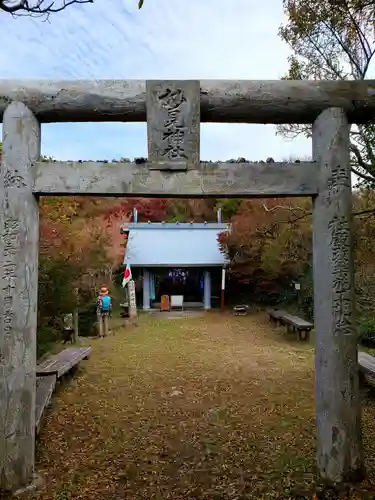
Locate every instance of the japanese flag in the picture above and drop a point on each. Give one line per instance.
(127, 275)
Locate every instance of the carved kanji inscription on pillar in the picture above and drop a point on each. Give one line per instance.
(19, 229)
(173, 124)
(338, 422)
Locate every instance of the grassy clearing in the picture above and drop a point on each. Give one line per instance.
(213, 407)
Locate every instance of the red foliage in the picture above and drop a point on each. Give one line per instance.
(149, 209)
(162, 209)
(152, 209)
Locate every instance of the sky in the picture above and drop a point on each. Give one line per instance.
(179, 39)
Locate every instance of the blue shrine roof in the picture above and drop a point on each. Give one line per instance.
(174, 245)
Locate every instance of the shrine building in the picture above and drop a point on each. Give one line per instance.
(176, 259)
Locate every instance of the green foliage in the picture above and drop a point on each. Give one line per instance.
(55, 286)
(229, 207)
(87, 320)
(366, 328)
(47, 337)
(140, 4)
(306, 294)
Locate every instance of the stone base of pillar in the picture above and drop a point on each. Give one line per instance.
(36, 484)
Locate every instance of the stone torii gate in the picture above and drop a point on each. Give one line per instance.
(174, 110)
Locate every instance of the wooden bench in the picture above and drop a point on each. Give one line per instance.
(47, 374)
(366, 365)
(240, 310)
(298, 325)
(63, 362)
(44, 390)
(274, 315)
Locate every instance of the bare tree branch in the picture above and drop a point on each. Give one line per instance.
(362, 176)
(291, 208)
(269, 229)
(354, 149)
(369, 211)
(37, 7)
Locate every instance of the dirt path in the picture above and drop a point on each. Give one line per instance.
(210, 407)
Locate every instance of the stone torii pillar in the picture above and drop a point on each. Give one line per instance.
(173, 110)
(338, 407)
(19, 230)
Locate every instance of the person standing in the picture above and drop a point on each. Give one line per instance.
(103, 311)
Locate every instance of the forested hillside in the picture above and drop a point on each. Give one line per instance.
(269, 247)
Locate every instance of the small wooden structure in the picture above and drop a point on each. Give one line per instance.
(240, 310)
(44, 389)
(294, 323)
(63, 362)
(50, 371)
(175, 259)
(174, 110)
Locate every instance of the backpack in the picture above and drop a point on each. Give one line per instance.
(105, 303)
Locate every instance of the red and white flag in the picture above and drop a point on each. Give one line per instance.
(127, 276)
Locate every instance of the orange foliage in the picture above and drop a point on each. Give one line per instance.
(263, 234)
(78, 248)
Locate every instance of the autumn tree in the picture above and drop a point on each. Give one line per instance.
(149, 209)
(269, 246)
(70, 245)
(364, 232)
(195, 210)
(333, 40)
(163, 209)
(80, 248)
